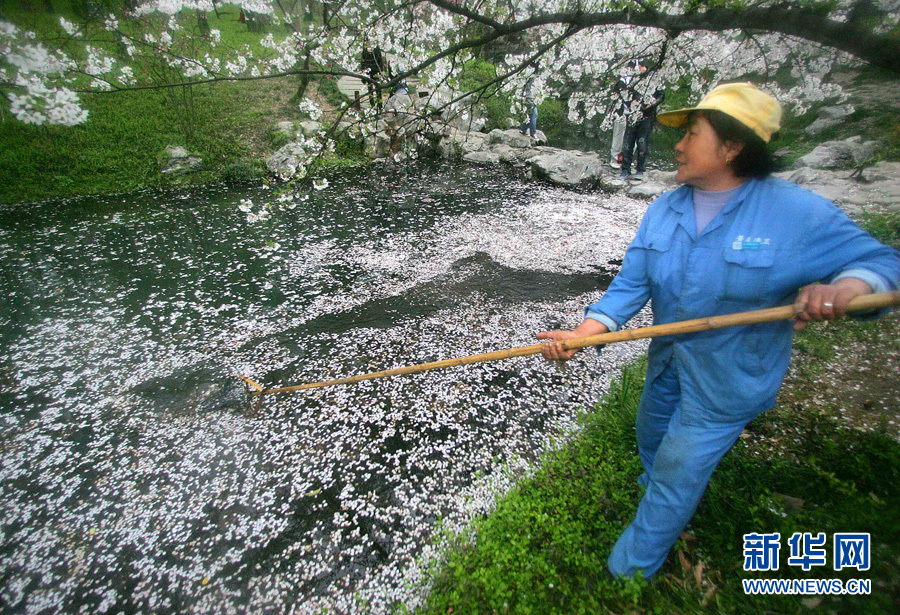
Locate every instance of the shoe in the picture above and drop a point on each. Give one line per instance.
(624, 174)
(615, 164)
(638, 177)
(523, 132)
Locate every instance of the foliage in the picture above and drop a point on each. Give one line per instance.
(543, 549)
(241, 171)
(475, 76)
(116, 151)
(532, 554)
(553, 117)
(48, 66)
(883, 227)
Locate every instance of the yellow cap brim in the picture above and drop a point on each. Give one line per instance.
(675, 119)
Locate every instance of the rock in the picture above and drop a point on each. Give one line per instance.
(879, 186)
(309, 128)
(514, 138)
(882, 171)
(348, 130)
(828, 117)
(176, 160)
(567, 168)
(399, 102)
(505, 153)
(486, 158)
(287, 160)
(285, 127)
(647, 188)
(838, 154)
(460, 143)
(784, 152)
(662, 177)
(515, 155)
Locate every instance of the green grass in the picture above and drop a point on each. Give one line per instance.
(117, 148)
(544, 548)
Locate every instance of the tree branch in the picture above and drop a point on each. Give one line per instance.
(880, 50)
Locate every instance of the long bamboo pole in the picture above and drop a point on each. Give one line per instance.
(787, 312)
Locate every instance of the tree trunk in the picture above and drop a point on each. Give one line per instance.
(304, 78)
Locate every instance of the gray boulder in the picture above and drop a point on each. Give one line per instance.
(484, 158)
(838, 154)
(285, 127)
(647, 189)
(176, 160)
(654, 184)
(877, 187)
(460, 143)
(567, 168)
(514, 138)
(401, 101)
(309, 128)
(828, 117)
(287, 160)
(881, 172)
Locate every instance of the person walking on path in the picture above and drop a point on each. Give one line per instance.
(530, 124)
(638, 130)
(623, 96)
(731, 239)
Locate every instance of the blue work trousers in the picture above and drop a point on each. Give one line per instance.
(530, 124)
(678, 460)
(637, 134)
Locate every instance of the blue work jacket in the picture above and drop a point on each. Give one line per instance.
(769, 241)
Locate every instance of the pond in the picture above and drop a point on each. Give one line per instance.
(135, 475)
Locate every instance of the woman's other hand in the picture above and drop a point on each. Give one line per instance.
(827, 301)
(553, 350)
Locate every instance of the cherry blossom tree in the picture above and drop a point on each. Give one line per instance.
(580, 45)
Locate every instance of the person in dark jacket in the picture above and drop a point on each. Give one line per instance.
(638, 129)
(373, 65)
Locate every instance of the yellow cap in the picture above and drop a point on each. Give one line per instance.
(749, 105)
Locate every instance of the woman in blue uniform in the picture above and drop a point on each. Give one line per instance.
(731, 239)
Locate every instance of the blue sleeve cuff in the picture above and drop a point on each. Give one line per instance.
(611, 324)
(878, 284)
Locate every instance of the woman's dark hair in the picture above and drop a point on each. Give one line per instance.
(755, 159)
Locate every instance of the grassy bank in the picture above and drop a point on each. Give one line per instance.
(118, 148)
(825, 459)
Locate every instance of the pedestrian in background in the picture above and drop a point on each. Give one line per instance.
(639, 127)
(531, 110)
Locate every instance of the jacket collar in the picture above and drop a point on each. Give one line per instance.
(683, 203)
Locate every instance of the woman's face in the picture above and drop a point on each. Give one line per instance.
(703, 159)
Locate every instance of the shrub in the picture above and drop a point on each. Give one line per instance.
(242, 171)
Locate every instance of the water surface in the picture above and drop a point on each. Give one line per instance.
(136, 478)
